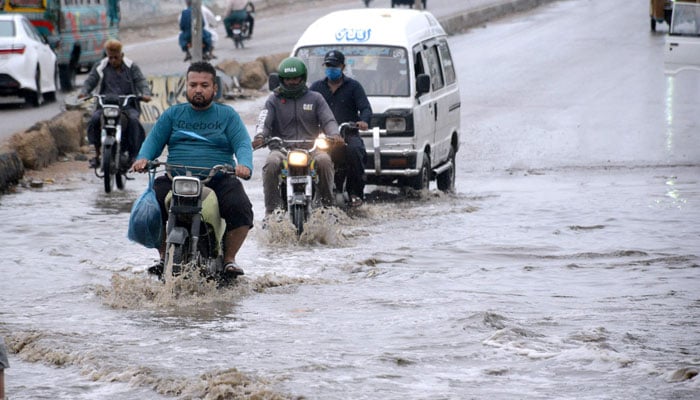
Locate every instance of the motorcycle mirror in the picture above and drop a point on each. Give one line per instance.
(273, 81)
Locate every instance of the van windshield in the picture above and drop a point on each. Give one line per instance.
(686, 19)
(382, 70)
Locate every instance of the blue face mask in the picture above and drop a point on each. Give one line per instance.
(333, 73)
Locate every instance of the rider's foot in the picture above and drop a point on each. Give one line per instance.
(232, 270)
(156, 269)
(94, 162)
(355, 201)
(188, 56)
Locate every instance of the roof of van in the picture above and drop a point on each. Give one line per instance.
(385, 26)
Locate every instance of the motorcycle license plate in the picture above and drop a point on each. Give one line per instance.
(297, 179)
(237, 31)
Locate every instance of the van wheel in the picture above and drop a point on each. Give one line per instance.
(446, 180)
(422, 180)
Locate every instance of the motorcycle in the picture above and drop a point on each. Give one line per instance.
(298, 178)
(115, 162)
(240, 30)
(194, 232)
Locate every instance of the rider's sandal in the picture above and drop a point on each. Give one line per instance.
(157, 269)
(94, 162)
(232, 269)
(355, 201)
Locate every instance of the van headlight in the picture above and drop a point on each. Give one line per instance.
(111, 112)
(186, 186)
(298, 158)
(395, 124)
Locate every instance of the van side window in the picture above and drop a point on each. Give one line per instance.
(436, 78)
(418, 63)
(447, 65)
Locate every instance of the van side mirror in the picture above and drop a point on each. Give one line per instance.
(273, 81)
(422, 84)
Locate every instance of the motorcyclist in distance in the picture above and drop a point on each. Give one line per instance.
(185, 37)
(293, 112)
(116, 75)
(239, 10)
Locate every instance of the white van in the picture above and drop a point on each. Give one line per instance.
(402, 59)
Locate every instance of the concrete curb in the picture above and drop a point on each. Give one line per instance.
(12, 167)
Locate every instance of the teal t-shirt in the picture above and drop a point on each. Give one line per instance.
(200, 138)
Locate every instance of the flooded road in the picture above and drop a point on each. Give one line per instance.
(566, 265)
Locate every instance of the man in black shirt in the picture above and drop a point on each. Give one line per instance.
(348, 101)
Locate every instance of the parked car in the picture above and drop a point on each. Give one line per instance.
(77, 30)
(682, 51)
(28, 66)
(409, 3)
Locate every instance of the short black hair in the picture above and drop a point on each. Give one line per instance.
(202, 66)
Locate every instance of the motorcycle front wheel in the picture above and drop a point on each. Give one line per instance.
(174, 258)
(299, 217)
(108, 169)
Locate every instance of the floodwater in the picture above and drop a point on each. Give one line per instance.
(566, 265)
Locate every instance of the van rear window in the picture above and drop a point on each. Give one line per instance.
(382, 70)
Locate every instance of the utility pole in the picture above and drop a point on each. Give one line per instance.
(418, 4)
(196, 30)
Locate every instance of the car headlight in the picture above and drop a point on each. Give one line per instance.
(186, 186)
(111, 112)
(298, 158)
(396, 124)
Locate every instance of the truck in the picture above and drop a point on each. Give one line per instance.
(76, 30)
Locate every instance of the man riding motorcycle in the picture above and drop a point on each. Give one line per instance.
(293, 112)
(239, 11)
(185, 37)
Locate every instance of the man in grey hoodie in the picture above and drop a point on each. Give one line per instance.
(293, 112)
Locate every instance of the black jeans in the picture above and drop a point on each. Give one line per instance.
(350, 165)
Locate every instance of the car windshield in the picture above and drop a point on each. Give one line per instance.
(7, 29)
(686, 19)
(382, 70)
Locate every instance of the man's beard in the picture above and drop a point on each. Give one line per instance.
(199, 101)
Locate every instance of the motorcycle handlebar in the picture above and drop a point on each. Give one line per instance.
(223, 168)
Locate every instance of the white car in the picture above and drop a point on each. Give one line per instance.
(682, 50)
(27, 63)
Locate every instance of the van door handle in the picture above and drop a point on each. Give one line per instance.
(436, 111)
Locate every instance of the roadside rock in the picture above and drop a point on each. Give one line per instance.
(36, 146)
(11, 169)
(253, 75)
(68, 131)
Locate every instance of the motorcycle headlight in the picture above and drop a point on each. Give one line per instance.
(298, 158)
(321, 143)
(186, 186)
(111, 112)
(395, 124)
